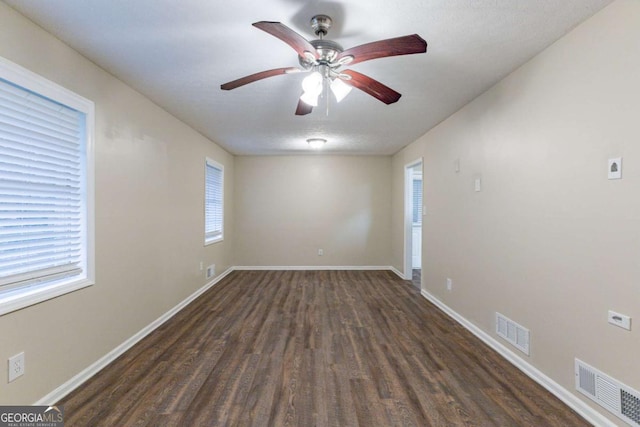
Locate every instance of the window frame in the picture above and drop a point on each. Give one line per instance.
(209, 240)
(15, 298)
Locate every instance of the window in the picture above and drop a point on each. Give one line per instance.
(417, 200)
(213, 202)
(46, 189)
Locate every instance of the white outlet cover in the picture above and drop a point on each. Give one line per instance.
(16, 366)
(478, 184)
(615, 168)
(449, 284)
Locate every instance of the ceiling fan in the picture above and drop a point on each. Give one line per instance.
(323, 59)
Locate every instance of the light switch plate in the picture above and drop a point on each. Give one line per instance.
(16, 366)
(478, 184)
(615, 168)
(619, 320)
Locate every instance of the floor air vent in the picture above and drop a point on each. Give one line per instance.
(512, 332)
(609, 393)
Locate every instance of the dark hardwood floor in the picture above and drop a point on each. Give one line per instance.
(306, 348)
(416, 277)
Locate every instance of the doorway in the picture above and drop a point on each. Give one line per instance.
(413, 222)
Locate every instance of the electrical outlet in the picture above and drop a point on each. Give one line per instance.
(201, 266)
(16, 366)
(449, 284)
(320, 252)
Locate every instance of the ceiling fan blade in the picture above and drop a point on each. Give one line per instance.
(372, 87)
(404, 45)
(303, 108)
(258, 76)
(287, 35)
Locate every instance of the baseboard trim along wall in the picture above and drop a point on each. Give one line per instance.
(315, 267)
(66, 388)
(569, 399)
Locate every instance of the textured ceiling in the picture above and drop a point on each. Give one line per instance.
(178, 53)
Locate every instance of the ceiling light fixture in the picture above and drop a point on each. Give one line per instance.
(316, 143)
(314, 85)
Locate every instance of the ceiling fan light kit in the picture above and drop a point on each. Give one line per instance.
(316, 143)
(323, 58)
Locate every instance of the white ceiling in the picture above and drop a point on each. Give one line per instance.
(178, 53)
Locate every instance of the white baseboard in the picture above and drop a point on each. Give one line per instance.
(314, 267)
(66, 388)
(397, 272)
(568, 398)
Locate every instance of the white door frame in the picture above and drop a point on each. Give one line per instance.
(408, 215)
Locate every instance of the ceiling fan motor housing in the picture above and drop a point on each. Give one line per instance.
(328, 51)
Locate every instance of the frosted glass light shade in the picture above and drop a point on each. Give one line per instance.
(310, 98)
(340, 89)
(316, 143)
(312, 87)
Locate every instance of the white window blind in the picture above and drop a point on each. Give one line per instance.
(42, 227)
(214, 197)
(417, 201)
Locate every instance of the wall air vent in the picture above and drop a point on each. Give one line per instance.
(515, 334)
(617, 398)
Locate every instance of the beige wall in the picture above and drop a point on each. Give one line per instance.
(149, 222)
(549, 242)
(289, 207)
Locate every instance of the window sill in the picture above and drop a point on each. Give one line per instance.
(213, 240)
(16, 299)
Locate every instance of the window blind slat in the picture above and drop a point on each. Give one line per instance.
(25, 96)
(38, 137)
(9, 223)
(14, 106)
(27, 236)
(18, 116)
(55, 254)
(20, 142)
(11, 187)
(44, 158)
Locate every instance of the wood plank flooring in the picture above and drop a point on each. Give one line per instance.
(312, 348)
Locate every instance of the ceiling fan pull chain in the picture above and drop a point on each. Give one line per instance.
(326, 95)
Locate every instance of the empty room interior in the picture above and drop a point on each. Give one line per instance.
(423, 213)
